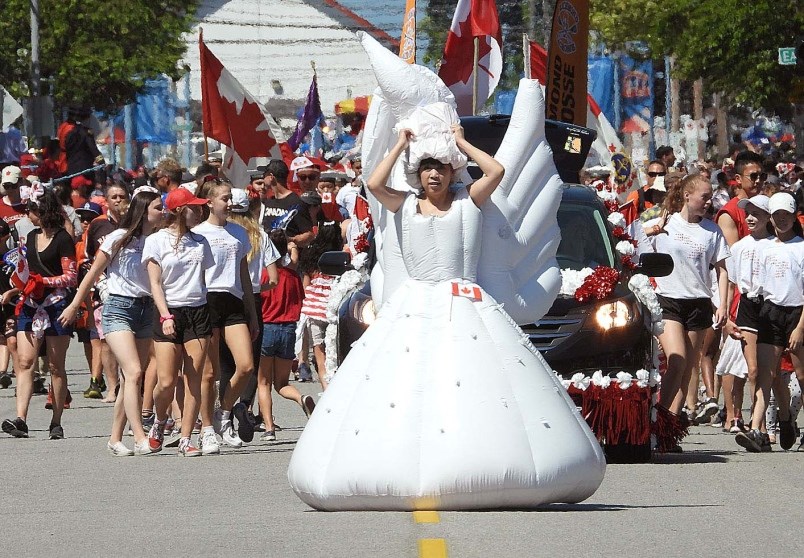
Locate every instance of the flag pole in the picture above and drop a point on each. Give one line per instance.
(203, 128)
(526, 54)
(474, 75)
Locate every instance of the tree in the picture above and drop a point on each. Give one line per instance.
(94, 52)
(732, 44)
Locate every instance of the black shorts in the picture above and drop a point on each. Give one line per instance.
(776, 323)
(225, 309)
(9, 320)
(190, 323)
(748, 313)
(694, 314)
(85, 335)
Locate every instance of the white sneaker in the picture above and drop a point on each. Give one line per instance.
(208, 443)
(119, 449)
(268, 436)
(229, 435)
(142, 448)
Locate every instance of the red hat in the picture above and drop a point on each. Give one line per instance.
(181, 197)
(80, 181)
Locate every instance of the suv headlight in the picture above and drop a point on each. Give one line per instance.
(363, 310)
(615, 314)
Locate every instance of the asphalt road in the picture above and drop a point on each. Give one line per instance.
(70, 498)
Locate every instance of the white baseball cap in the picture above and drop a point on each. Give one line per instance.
(760, 201)
(782, 201)
(240, 200)
(11, 175)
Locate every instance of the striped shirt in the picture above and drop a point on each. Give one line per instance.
(316, 296)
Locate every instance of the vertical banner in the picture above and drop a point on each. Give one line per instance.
(407, 43)
(567, 62)
(636, 92)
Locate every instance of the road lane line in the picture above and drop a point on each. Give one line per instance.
(432, 548)
(426, 517)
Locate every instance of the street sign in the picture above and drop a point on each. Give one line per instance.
(787, 56)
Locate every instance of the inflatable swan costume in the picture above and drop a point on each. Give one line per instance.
(443, 403)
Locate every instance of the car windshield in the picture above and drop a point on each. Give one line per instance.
(584, 237)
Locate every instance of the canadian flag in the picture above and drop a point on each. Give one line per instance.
(236, 119)
(607, 143)
(473, 18)
(467, 291)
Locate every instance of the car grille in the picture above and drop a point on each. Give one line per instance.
(549, 332)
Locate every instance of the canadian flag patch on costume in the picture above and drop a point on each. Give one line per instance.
(472, 292)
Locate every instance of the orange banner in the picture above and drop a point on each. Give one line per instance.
(407, 44)
(567, 62)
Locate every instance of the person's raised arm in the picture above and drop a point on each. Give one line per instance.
(481, 189)
(378, 181)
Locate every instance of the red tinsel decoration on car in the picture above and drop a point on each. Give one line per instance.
(361, 243)
(599, 285)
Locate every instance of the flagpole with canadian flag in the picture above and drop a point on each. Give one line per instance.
(232, 116)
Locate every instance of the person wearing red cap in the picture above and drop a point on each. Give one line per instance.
(176, 259)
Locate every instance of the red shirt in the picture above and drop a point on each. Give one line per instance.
(737, 214)
(11, 213)
(283, 303)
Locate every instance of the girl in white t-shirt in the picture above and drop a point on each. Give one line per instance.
(233, 315)
(176, 259)
(743, 268)
(781, 322)
(127, 311)
(696, 244)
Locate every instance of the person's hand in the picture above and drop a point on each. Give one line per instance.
(405, 135)
(169, 328)
(733, 331)
(68, 315)
(457, 131)
(720, 318)
(6, 297)
(794, 343)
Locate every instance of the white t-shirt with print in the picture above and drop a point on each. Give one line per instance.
(229, 244)
(744, 263)
(781, 273)
(182, 266)
(694, 247)
(126, 275)
(267, 255)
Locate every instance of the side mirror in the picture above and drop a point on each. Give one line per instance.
(656, 265)
(335, 263)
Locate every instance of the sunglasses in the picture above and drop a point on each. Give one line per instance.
(654, 174)
(212, 178)
(754, 176)
(307, 177)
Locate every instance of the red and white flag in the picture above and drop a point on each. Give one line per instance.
(236, 119)
(470, 291)
(473, 18)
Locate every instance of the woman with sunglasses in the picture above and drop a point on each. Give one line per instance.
(51, 260)
(127, 312)
(176, 259)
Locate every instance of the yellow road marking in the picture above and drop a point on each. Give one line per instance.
(426, 517)
(432, 548)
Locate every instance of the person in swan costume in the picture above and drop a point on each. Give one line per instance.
(443, 403)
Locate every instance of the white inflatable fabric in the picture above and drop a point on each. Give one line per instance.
(432, 138)
(443, 403)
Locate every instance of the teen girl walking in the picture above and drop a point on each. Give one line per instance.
(127, 317)
(176, 259)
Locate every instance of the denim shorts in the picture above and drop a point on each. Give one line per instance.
(125, 313)
(25, 319)
(279, 340)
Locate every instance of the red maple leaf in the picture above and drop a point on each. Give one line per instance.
(239, 130)
(458, 60)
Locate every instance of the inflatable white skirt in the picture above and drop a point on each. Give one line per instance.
(444, 404)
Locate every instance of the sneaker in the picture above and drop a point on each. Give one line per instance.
(5, 381)
(187, 449)
(229, 436)
(148, 421)
(156, 436)
(102, 383)
(197, 427)
(56, 432)
(787, 434)
(39, 387)
(689, 416)
(751, 441)
(765, 444)
(305, 373)
(737, 426)
(172, 438)
(143, 448)
(707, 410)
(49, 401)
(119, 449)
(268, 436)
(308, 404)
(800, 444)
(719, 419)
(245, 424)
(94, 390)
(208, 443)
(170, 425)
(16, 427)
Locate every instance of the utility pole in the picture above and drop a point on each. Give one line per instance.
(34, 105)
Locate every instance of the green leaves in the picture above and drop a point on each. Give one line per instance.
(95, 52)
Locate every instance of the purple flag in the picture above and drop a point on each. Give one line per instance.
(310, 116)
